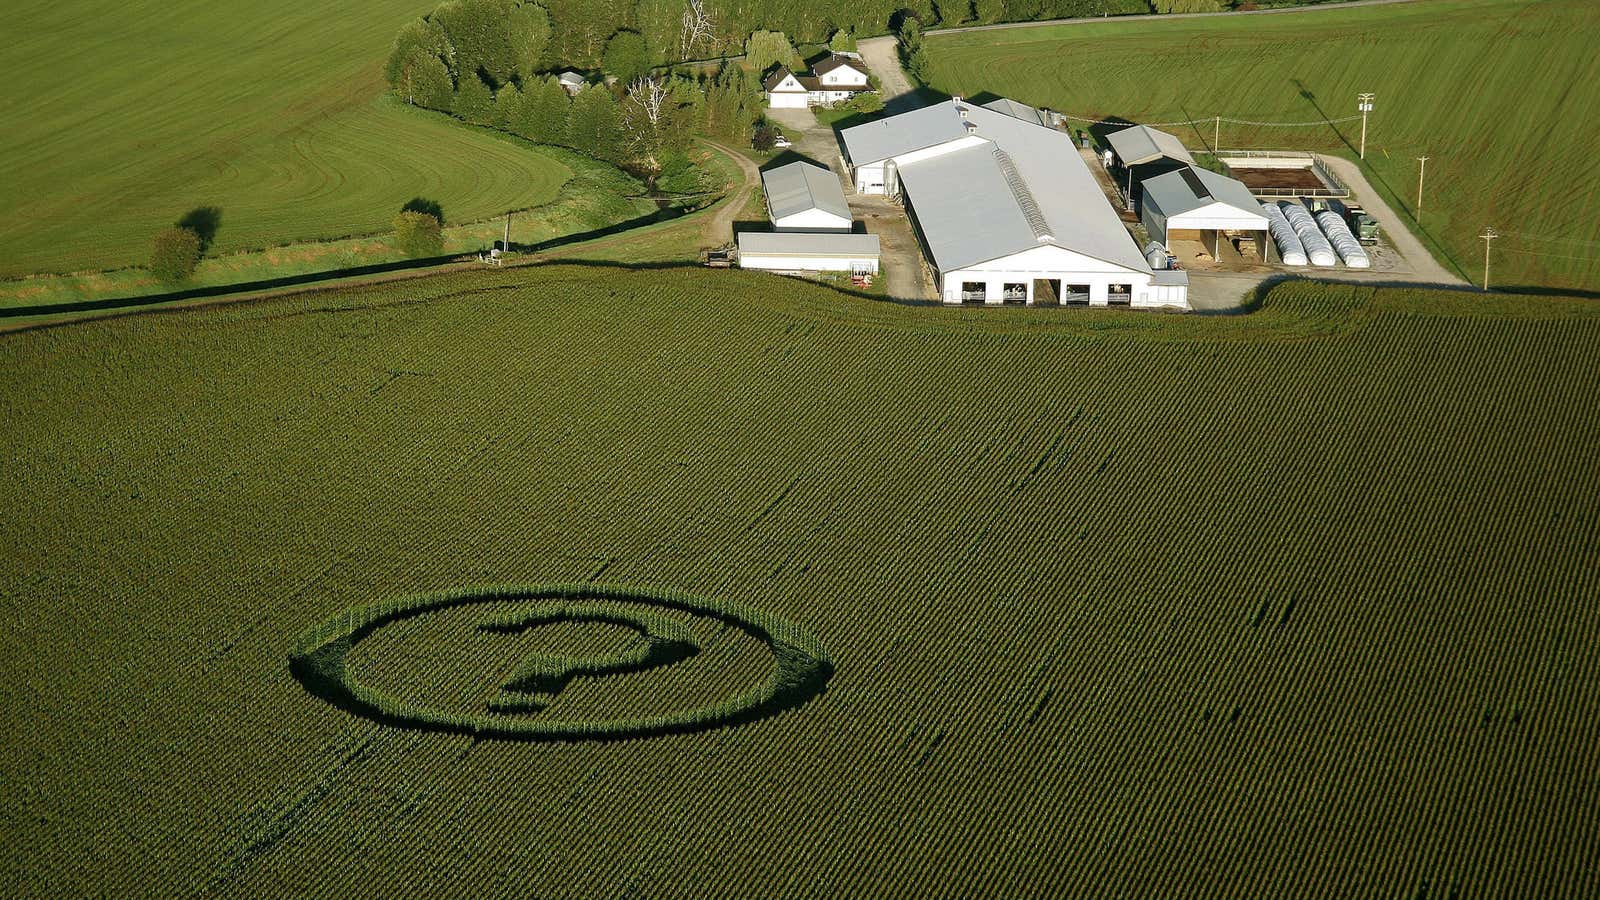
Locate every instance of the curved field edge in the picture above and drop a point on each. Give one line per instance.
(800, 666)
(593, 196)
(1488, 89)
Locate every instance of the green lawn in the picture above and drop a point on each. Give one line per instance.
(1500, 93)
(120, 118)
(1294, 603)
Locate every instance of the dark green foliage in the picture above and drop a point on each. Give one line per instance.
(627, 56)
(594, 124)
(766, 49)
(548, 107)
(174, 254)
(418, 234)
(765, 138)
(474, 102)
(868, 103)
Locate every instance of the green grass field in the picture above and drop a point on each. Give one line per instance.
(1298, 603)
(1498, 92)
(121, 118)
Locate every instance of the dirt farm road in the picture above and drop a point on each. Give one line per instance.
(718, 230)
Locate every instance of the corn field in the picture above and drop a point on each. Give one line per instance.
(1298, 603)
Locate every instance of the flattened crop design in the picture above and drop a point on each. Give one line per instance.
(800, 668)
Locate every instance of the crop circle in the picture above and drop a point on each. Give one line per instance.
(799, 672)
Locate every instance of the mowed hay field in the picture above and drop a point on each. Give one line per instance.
(121, 118)
(1499, 93)
(1299, 603)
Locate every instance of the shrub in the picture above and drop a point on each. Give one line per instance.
(418, 234)
(868, 102)
(175, 254)
(765, 138)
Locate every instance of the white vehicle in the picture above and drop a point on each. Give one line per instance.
(782, 143)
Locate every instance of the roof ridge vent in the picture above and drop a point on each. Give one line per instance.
(1024, 196)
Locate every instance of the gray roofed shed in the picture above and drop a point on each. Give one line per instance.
(1015, 110)
(800, 187)
(1192, 188)
(794, 243)
(1142, 144)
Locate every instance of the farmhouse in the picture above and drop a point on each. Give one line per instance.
(803, 196)
(1005, 208)
(1192, 204)
(835, 79)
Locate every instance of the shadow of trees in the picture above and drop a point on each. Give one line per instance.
(204, 221)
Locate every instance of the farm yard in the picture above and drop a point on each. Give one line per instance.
(134, 114)
(1493, 91)
(1291, 603)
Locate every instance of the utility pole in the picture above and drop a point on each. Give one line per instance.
(1216, 135)
(1130, 188)
(1488, 236)
(1421, 173)
(505, 245)
(1364, 103)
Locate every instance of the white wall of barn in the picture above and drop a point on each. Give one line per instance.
(1056, 263)
(778, 263)
(812, 220)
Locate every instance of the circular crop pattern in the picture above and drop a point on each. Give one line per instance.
(800, 668)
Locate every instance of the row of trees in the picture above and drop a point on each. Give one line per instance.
(510, 40)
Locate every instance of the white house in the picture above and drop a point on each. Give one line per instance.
(1006, 209)
(834, 80)
(796, 252)
(1193, 204)
(803, 196)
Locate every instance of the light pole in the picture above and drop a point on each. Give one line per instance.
(1489, 234)
(1364, 103)
(1422, 171)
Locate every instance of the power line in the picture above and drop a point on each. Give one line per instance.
(1212, 119)
(1488, 236)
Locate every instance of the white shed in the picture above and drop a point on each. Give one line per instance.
(791, 251)
(1196, 205)
(803, 196)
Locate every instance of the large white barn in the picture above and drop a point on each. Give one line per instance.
(1006, 209)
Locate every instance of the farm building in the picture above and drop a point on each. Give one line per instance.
(803, 196)
(1006, 209)
(1147, 150)
(835, 79)
(572, 81)
(1192, 204)
(796, 252)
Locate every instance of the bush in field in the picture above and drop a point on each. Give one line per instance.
(418, 234)
(175, 254)
(868, 102)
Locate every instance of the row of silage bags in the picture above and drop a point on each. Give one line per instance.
(1344, 242)
(1290, 250)
(1318, 250)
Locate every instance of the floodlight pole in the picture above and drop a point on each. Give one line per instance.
(1488, 236)
(1421, 173)
(1364, 103)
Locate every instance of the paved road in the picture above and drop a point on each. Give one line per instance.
(1422, 263)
